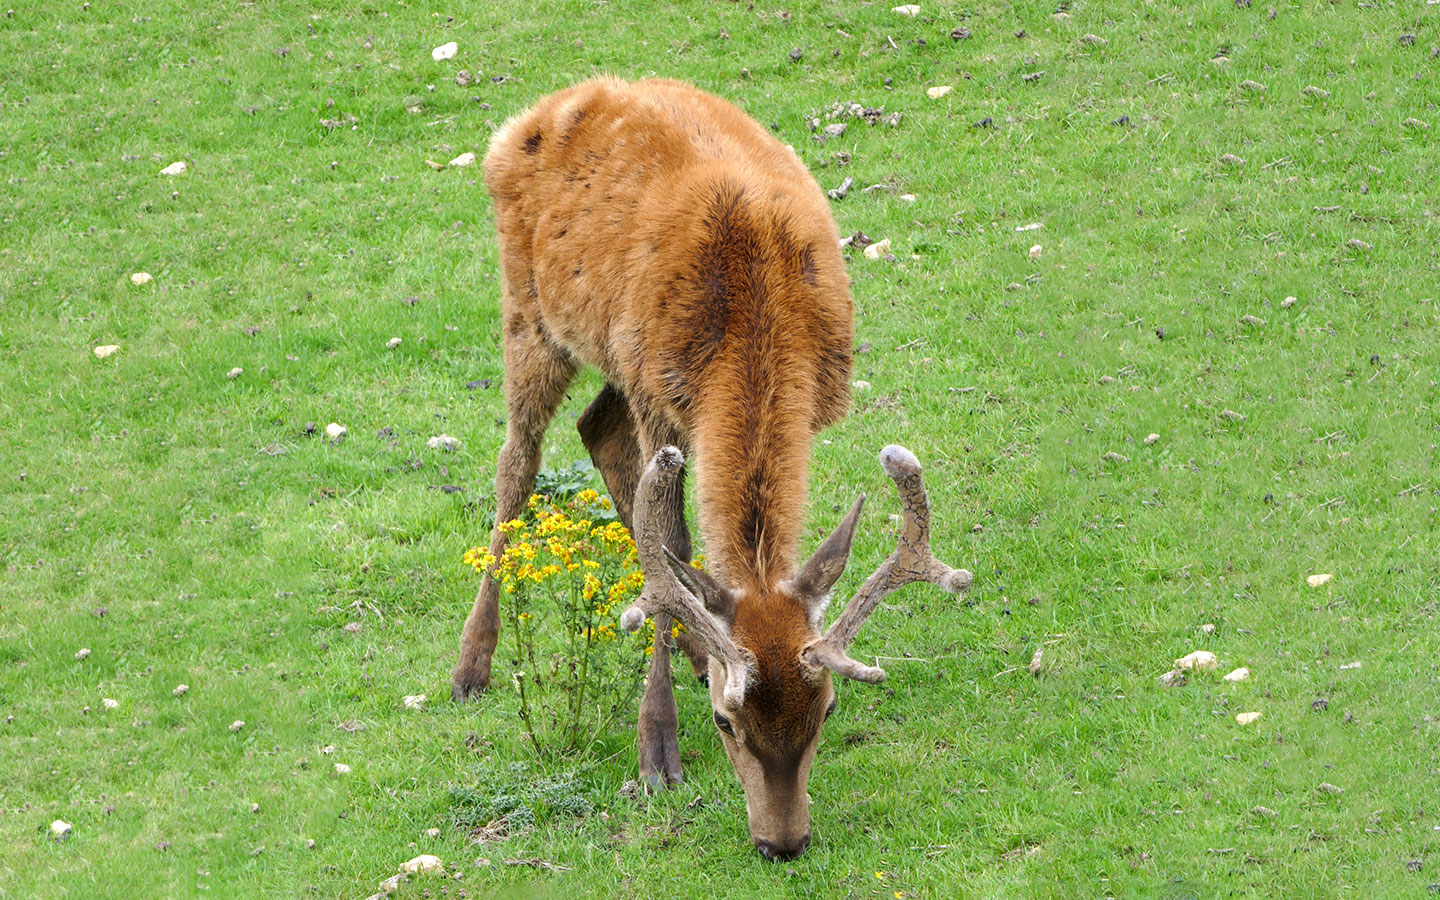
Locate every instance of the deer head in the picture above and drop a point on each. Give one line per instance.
(771, 660)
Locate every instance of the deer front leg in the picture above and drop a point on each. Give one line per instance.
(536, 376)
(657, 735)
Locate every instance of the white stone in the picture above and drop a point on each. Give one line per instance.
(423, 864)
(445, 51)
(860, 385)
(908, 198)
(1319, 580)
(139, 278)
(109, 703)
(909, 9)
(328, 749)
(1246, 718)
(175, 168)
(1239, 674)
(1172, 678)
(60, 829)
(234, 373)
(1031, 227)
(1351, 665)
(237, 724)
(342, 769)
(938, 91)
(1201, 659)
(1035, 251)
(335, 431)
(1207, 628)
(464, 159)
(443, 442)
(1151, 438)
(432, 832)
(82, 653)
(1288, 302)
(391, 884)
(181, 690)
(414, 701)
(105, 350)
(878, 249)
(392, 343)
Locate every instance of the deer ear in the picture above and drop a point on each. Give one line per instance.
(717, 599)
(817, 578)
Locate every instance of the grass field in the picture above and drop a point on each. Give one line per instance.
(1191, 166)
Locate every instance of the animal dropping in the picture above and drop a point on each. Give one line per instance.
(721, 240)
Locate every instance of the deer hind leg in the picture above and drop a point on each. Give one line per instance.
(608, 430)
(536, 376)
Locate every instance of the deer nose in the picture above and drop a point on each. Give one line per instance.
(777, 852)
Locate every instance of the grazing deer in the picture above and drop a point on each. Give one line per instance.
(658, 234)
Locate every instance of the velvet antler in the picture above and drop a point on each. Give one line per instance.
(911, 561)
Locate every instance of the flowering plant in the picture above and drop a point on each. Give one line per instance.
(567, 575)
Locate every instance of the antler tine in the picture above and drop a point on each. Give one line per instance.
(911, 561)
(663, 592)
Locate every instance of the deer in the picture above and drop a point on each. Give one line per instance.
(660, 235)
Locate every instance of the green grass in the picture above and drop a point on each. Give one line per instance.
(137, 484)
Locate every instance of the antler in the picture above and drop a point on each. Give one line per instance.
(911, 561)
(663, 592)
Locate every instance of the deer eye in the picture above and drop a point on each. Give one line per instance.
(724, 725)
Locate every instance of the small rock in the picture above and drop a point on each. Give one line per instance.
(908, 198)
(1239, 674)
(1172, 678)
(391, 884)
(309, 843)
(237, 724)
(352, 627)
(1357, 244)
(1151, 438)
(234, 373)
(1207, 628)
(432, 832)
(1231, 415)
(1246, 718)
(1033, 226)
(443, 442)
(392, 343)
(940, 90)
(437, 166)
(1416, 124)
(860, 385)
(463, 78)
(1202, 660)
(175, 168)
(1326, 787)
(959, 34)
(414, 701)
(139, 278)
(1319, 579)
(1319, 704)
(1351, 665)
(1037, 661)
(1220, 60)
(109, 703)
(1035, 251)
(105, 350)
(60, 829)
(82, 653)
(423, 864)
(835, 129)
(181, 690)
(328, 749)
(840, 192)
(909, 9)
(1231, 159)
(1264, 811)
(336, 432)
(1253, 87)
(445, 51)
(878, 249)
(342, 769)
(1113, 457)
(464, 159)
(1249, 319)
(1318, 92)
(1093, 40)
(796, 55)
(1288, 302)
(254, 807)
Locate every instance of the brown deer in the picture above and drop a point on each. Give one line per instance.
(657, 233)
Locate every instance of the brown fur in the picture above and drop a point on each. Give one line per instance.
(660, 235)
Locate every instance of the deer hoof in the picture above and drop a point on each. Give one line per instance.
(468, 683)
